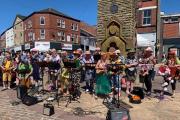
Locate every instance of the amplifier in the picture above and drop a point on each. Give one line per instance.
(48, 109)
(118, 114)
(21, 91)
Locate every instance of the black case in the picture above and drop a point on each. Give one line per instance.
(138, 91)
(29, 100)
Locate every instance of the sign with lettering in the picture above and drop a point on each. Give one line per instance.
(66, 46)
(42, 46)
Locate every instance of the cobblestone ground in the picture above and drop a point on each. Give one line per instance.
(23, 112)
(91, 108)
(153, 109)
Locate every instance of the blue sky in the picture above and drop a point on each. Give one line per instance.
(85, 10)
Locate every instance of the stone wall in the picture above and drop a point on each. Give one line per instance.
(125, 16)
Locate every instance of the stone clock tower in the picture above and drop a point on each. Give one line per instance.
(116, 24)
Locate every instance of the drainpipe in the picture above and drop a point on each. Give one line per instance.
(158, 32)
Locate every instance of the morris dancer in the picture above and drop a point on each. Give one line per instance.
(54, 68)
(25, 70)
(88, 59)
(165, 72)
(148, 69)
(172, 61)
(131, 72)
(103, 86)
(7, 66)
(33, 59)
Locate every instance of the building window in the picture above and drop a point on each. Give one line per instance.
(61, 23)
(61, 36)
(58, 22)
(174, 19)
(147, 17)
(42, 20)
(74, 27)
(42, 34)
(166, 20)
(73, 37)
(20, 34)
(30, 36)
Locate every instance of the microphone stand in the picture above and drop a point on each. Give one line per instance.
(117, 73)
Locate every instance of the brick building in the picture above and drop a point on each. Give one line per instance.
(50, 26)
(148, 22)
(171, 32)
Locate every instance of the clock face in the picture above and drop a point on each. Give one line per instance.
(114, 8)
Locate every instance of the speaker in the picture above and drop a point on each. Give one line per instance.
(21, 91)
(48, 109)
(29, 100)
(118, 114)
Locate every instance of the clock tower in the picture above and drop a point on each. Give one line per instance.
(116, 25)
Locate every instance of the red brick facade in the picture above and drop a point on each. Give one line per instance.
(147, 3)
(142, 6)
(32, 27)
(171, 29)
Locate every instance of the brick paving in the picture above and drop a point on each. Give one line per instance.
(23, 112)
